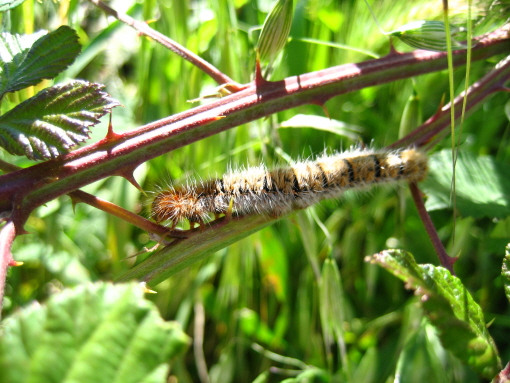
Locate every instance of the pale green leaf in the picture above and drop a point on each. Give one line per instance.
(449, 307)
(99, 333)
(425, 34)
(275, 30)
(5, 5)
(505, 273)
(482, 185)
(54, 120)
(25, 62)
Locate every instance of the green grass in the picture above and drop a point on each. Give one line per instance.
(268, 289)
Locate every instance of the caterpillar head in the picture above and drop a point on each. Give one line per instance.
(175, 205)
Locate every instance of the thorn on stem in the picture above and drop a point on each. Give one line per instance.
(127, 173)
(14, 263)
(111, 135)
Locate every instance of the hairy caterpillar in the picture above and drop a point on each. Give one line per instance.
(258, 190)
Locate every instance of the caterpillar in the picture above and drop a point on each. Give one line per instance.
(257, 190)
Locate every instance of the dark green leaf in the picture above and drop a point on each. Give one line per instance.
(5, 5)
(54, 120)
(482, 185)
(505, 273)
(449, 307)
(96, 333)
(26, 62)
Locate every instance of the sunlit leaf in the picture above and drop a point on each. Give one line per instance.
(25, 62)
(449, 307)
(323, 123)
(54, 120)
(95, 333)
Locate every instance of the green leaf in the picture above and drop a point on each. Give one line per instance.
(449, 307)
(482, 185)
(95, 333)
(182, 253)
(5, 5)
(26, 62)
(412, 116)
(505, 273)
(54, 120)
(332, 300)
(275, 30)
(425, 34)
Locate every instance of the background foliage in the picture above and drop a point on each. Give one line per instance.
(258, 303)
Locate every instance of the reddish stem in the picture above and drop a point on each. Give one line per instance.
(446, 261)
(126, 215)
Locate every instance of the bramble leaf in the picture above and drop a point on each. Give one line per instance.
(97, 333)
(54, 120)
(27, 62)
(5, 5)
(449, 307)
(482, 185)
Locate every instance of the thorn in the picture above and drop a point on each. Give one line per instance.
(14, 263)
(145, 289)
(393, 51)
(21, 230)
(150, 21)
(127, 173)
(111, 135)
(74, 201)
(260, 81)
(324, 108)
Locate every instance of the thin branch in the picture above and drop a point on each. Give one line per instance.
(143, 28)
(446, 261)
(119, 212)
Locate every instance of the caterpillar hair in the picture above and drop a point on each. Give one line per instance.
(258, 190)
